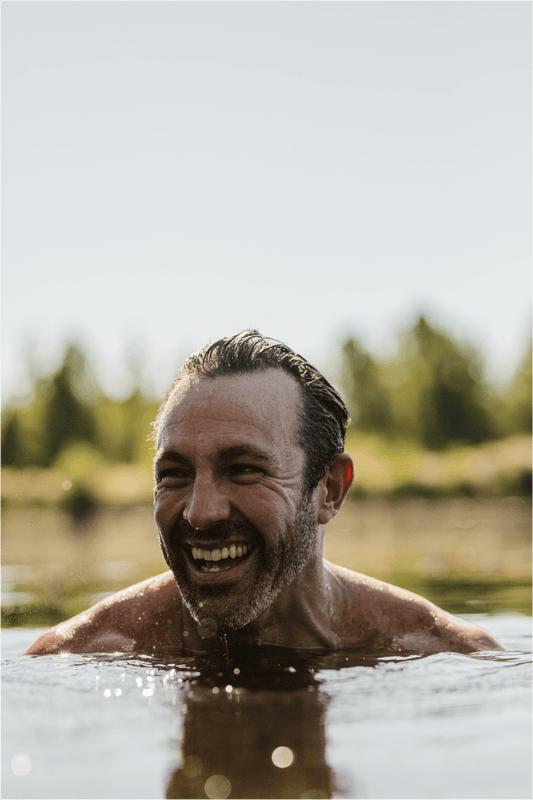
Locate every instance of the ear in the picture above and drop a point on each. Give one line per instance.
(333, 488)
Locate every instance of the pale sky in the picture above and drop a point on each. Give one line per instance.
(176, 171)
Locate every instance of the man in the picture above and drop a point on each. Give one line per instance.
(249, 469)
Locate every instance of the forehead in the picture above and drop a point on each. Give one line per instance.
(262, 405)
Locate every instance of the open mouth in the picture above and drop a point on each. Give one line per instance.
(218, 559)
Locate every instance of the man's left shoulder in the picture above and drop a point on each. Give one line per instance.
(443, 632)
(402, 620)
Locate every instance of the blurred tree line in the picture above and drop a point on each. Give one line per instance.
(433, 391)
(69, 414)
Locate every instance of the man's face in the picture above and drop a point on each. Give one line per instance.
(234, 522)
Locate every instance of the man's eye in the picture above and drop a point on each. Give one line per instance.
(168, 476)
(246, 470)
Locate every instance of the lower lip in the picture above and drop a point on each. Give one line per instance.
(223, 575)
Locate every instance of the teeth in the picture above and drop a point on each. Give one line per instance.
(219, 555)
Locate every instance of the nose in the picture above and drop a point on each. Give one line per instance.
(207, 503)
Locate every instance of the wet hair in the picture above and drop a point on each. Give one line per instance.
(324, 418)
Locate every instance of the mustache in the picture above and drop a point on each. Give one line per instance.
(223, 530)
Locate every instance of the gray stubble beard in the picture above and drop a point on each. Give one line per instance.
(278, 573)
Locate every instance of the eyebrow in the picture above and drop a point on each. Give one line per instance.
(223, 457)
(228, 454)
(171, 455)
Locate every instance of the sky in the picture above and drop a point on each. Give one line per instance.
(177, 171)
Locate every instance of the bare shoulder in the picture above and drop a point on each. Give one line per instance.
(141, 617)
(379, 615)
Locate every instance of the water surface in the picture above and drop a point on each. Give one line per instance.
(269, 723)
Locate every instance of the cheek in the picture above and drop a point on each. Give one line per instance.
(166, 508)
(263, 507)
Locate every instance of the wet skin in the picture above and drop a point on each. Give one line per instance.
(243, 539)
(229, 480)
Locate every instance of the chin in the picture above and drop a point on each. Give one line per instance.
(223, 614)
(226, 616)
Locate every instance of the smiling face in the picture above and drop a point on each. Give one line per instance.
(235, 524)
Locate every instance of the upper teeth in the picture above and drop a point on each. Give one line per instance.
(219, 555)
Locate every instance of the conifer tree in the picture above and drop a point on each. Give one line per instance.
(367, 398)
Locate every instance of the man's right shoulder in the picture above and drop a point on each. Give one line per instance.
(137, 619)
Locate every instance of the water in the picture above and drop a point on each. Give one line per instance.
(269, 724)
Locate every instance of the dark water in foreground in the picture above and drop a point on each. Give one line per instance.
(269, 724)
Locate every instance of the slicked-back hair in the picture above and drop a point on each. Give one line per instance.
(324, 417)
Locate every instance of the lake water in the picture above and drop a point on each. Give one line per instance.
(269, 723)
(464, 554)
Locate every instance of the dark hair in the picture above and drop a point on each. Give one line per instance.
(323, 423)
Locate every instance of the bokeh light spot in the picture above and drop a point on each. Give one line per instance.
(217, 786)
(282, 757)
(21, 765)
(191, 766)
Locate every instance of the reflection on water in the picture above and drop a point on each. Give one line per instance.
(252, 735)
(269, 722)
(255, 725)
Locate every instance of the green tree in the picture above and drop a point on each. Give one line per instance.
(518, 398)
(68, 414)
(367, 398)
(13, 450)
(452, 398)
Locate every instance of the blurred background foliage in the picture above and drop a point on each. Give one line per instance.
(68, 410)
(432, 393)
